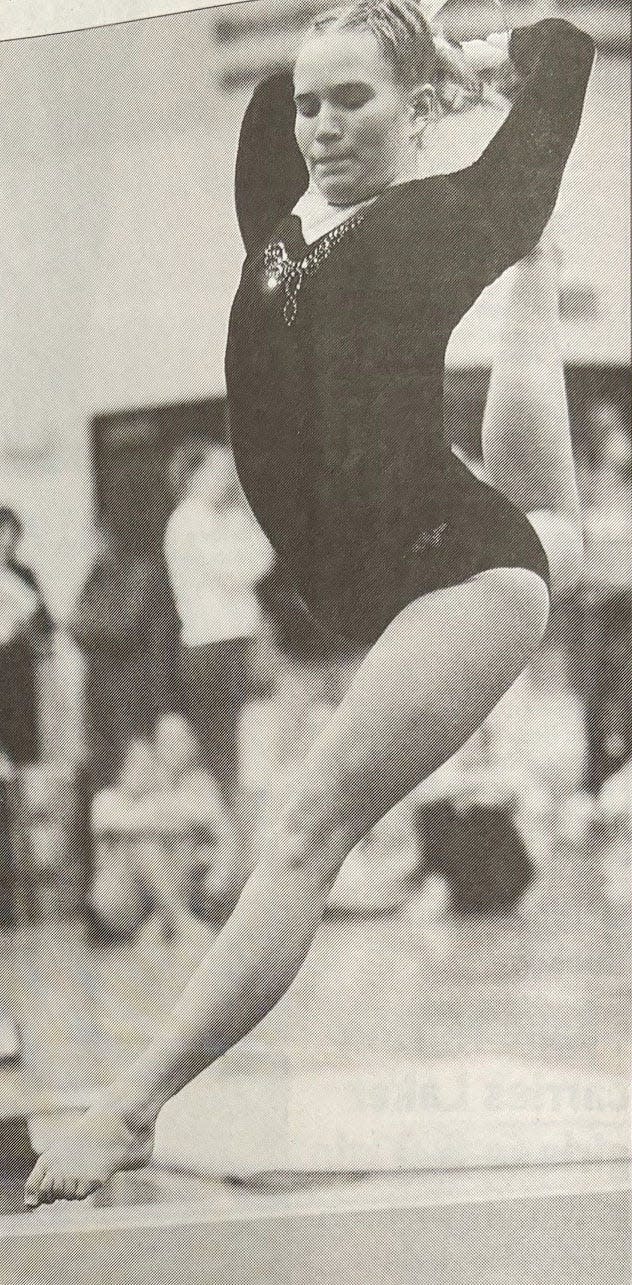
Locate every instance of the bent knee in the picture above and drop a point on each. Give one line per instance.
(317, 829)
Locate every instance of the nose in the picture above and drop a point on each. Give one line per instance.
(327, 125)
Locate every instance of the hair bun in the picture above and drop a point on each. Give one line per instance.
(417, 52)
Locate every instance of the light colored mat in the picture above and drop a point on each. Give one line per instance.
(444, 1115)
(571, 1237)
(223, 1203)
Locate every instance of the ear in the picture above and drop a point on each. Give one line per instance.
(421, 106)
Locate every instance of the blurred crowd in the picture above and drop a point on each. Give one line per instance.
(204, 681)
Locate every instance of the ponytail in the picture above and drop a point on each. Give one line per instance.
(457, 85)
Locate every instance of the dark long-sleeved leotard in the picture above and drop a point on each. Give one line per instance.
(335, 357)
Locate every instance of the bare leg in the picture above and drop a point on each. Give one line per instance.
(527, 449)
(434, 675)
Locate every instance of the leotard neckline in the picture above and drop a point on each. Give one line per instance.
(291, 228)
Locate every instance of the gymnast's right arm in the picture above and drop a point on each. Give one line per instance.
(270, 173)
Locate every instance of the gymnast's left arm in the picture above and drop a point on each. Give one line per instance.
(514, 184)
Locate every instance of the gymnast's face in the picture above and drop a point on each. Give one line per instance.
(357, 129)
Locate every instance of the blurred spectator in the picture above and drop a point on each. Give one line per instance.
(539, 728)
(26, 631)
(308, 674)
(613, 826)
(533, 741)
(604, 432)
(124, 624)
(310, 671)
(201, 828)
(613, 454)
(7, 903)
(479, 852)
(51, 870)
(119, 898)
(188, 796)
(609, 697)
(215, 554)
(486, 817)
(607, 499)
(164, 842)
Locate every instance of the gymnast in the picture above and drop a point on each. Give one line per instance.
(359, 264)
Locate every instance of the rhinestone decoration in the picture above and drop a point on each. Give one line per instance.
(280, 270)
(430, 539)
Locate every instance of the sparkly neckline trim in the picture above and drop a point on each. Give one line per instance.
(318, 217)
(281, 270)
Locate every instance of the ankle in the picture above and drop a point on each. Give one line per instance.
(137, 1115)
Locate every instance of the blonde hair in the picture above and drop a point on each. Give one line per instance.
(415, 51)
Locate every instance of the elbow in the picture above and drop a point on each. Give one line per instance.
(578, 40)
(566, 35)
(312, 842)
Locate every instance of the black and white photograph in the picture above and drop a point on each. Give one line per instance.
(315, 643)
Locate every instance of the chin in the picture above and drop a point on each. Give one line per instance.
(344, 193)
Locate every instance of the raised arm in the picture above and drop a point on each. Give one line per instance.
(515, 183)
(270, 173)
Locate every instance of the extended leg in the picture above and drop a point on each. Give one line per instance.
(527, 449)
(432, 678)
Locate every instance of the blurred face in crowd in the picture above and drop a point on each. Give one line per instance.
(606, 418)
(103, 545)
(216, 481)
(617, 451)
(612, 438)
(142, 772)
(357, 129)
(176, 745)
(548, 669)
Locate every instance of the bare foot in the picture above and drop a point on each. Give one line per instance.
(102, 1143)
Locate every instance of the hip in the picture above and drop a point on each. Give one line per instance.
(355, 596)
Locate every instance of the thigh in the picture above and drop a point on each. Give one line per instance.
(432, 678)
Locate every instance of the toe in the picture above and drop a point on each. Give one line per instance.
(33, 1188)
(46, 1189)
(62, 1190)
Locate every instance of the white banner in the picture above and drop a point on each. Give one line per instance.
(608, 22)
(20, 18)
